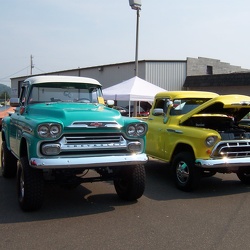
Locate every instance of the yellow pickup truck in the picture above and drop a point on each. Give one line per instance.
(199, 134)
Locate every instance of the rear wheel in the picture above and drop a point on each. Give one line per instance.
(186, 176)
(130, 182)
(8, 162)
(29, 186)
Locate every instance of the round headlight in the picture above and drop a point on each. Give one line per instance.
(140, 129)
(131, 130)
(43, 131)
(210, 141)
(54, 130)
(49, 130)
(136, 129)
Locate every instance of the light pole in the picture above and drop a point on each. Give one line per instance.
(136, 5)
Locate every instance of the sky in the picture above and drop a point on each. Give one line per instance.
(67, 34)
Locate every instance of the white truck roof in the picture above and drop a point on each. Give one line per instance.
(56, 78)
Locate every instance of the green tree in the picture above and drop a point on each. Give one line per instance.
(4, 95)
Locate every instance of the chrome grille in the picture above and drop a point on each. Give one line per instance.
(232, 149)
(92, 142)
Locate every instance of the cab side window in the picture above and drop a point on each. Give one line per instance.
(23, 96)
(160, 104)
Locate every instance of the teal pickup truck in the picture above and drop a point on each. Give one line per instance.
(60, 130)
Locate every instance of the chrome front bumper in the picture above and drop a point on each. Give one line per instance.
(223, 163)
(88, 162)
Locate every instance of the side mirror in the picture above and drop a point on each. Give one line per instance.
(158, 112)
(14, 102)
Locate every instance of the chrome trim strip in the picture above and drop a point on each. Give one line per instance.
(175, 131)
(95, 124)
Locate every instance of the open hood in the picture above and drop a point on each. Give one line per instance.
(235, 106)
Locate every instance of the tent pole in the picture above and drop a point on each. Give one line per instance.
(129, 107)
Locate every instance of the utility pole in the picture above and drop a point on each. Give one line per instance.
(136, 5)
(31, 64)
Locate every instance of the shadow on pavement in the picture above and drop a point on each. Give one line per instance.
(59, 202)
(160, 184)
(100, 197)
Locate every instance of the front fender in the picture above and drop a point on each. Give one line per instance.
(195, 139)
(5, 134)
(27, 146)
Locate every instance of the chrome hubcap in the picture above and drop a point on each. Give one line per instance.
(21, 186)
(182, 172)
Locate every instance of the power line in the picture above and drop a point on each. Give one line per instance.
(7, 77)
(40, 69)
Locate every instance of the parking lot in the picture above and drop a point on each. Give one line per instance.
(215, 216)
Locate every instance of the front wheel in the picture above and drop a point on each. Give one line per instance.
(130, 182)
(186, 175)
(244, 177)
(8, 162)
(29, 186)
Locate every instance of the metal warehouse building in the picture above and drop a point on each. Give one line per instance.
(167, 74)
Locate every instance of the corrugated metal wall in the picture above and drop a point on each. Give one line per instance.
(109, 75)
(167, 75)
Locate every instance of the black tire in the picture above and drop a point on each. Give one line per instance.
(29, 186)
(8, 162)
(130, 184)
(244, 177)
(186, 175)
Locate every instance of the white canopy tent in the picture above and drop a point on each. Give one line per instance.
(134, 89)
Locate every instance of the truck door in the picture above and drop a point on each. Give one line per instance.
(14, 123)
(156, 136)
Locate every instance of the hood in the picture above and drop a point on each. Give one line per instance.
(72, 112)
(236, 106)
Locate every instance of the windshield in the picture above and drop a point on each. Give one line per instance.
(183, 106)
(80, 93)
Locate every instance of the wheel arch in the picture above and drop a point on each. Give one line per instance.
(181, 147)
(23, 150)
(3, 136)
(5, 139)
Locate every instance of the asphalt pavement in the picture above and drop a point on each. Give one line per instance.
(215, 216)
